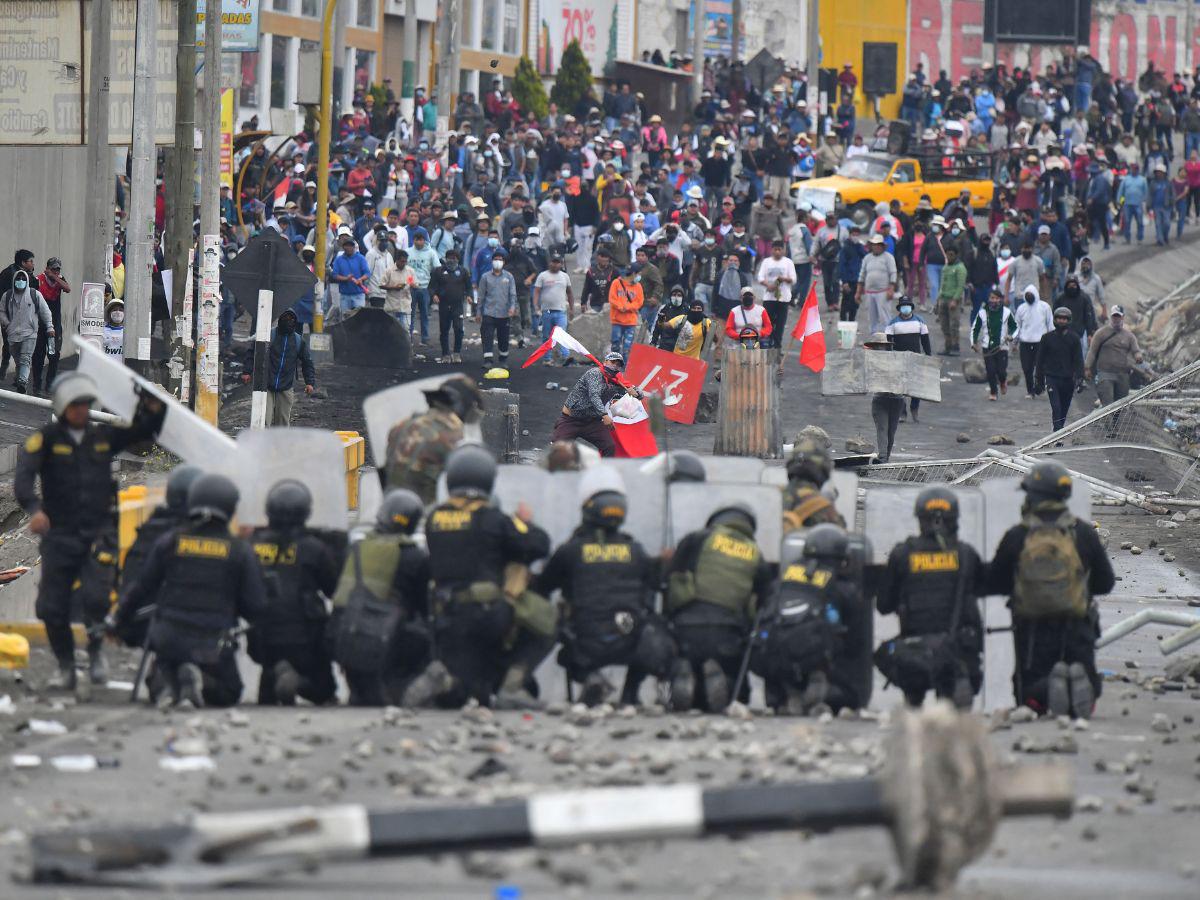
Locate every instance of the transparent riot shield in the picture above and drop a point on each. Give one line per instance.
(842, 486)
(890, 519)
(733, 469)
(646, 493)
(183, 433)
(387, 408)
(1003, 498)
(316, 458)
(691, 504)
(551, 496)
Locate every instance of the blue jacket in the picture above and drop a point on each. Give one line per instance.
(289, 352)
(1133, 190)
(1162, 196)
(850, 261)
(356, 266)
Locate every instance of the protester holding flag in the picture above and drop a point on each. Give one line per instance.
(585, 414)
(810, 333)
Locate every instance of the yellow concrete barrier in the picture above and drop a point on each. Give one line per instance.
(356, 457)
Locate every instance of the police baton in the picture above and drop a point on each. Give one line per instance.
(741, 676)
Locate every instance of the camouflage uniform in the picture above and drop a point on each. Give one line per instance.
(804, 506)
(417, 451)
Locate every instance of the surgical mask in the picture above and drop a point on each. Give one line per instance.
(637, 279)
(937, 229)
(956, 231)
(1005, 252)
(906, 310)
(565, 173)
(493, 242)
(117, 316)
(531, 243)
(19, 284)
(487, 154)
(497, 265)
(618, 226)
(709, 241)
(739, 234)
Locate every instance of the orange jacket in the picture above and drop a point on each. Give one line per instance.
(624, 301)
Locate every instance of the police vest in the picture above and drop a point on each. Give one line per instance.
(607, 575)
(196, 590)
(293, 600)
(379, 555)
(725, 569)
(78, 490)
(931, 585)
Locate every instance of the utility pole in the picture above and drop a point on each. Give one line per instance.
(99, 204)
(139, 267)
(207, 330)
(182, 191)
(408, 78)
(449, 22)
(735, 52)
(814, 64)
(324, 128)
(699, 20)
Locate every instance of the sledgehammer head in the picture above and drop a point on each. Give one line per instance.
(946, 792)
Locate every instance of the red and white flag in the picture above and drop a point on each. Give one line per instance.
(560, 338)
(809, 332)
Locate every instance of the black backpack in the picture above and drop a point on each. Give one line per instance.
(366, 626)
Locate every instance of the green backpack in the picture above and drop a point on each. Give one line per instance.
(1051, 581)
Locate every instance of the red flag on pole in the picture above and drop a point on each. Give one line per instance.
(809, 332)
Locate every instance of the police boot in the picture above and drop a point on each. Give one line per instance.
(97, 668)
(596, 689)
(513, 694)
(964, 695)
(815, 692)
(793, 702)
(191, 685)
(683, 686)
(1083, 694)
(65, 679)
(1058, 693)
(428, 686)
(287, 683)
(716, 686)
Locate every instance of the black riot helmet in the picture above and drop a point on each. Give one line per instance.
(810, 461)
(733, 514)
(470, 469)
(827, 542)
(178, 484)
(605, 509)
(685, 465)
(289, 504)
(212, 496)
(460, 395)
(399, 512)
(1047, 481)
(937, 511)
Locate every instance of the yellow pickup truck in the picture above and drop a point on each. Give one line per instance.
(872, 178)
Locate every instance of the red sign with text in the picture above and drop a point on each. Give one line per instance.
(679, 380)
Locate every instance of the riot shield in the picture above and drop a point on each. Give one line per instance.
(692, 504)
(316, 458)
(890, 519)
(370, 495)
(387, 408)
(1003, 498)
(551, 496)
(645, 490)
(183, 433)
(842, 485)
(733, 469)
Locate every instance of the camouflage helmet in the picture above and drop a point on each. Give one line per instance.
(461, 395)
(810, 461)
(1048, 481)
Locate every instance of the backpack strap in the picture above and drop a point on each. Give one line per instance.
(358, 576)
(814, 504)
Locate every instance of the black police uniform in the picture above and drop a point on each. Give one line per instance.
(396, 571)
(482, 628)
(812, 623)
(162, 520)
(714, 581)
(203, 579)
(926, 579)
(1041, 643)
(298, 568)
(608, 584)
(79, 495)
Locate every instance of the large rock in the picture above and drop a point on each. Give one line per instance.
(974, 372)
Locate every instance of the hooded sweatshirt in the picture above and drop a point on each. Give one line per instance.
(1033, 319)
(20, 312)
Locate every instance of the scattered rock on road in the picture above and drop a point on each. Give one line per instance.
(1000, 440)
(859, 445)
(963, 438)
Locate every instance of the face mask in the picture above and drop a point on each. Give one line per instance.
(531, 243)
(906, 310)
(1027, 253)
(618, 226)
(556, 197)
(287, 326)
(565, 173)
(497, 265)
(709, 241)
(1005, 252)
(117, 317)
(493, 242)
(956, 231)
(637, 279)
(739, 234)
(695, 316)
(1072, 290)
(19, 284)
(747, 302)
(1029, 298)
(611, 370)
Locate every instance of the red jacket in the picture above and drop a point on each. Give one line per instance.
(755, 318)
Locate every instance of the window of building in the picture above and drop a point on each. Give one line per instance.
(364, 70)
(366, 14)
(279, 54)
(683, 31)
(487, 40)
(512, 27)
(281, 5)
(248, 87)
(310, 8)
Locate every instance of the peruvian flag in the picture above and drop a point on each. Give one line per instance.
(809, 332)
(560, 338)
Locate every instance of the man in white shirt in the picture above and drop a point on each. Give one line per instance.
(379, 260)
(1034, 319)
(554, 219)
(777, 274)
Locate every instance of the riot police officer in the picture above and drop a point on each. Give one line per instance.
(1052, 565)
(491, 630)
(76, 514)
(804, 505)
(381, 606)
(299, 571)
(933, 582)
(417, 447)
(715, 579)
(608, 584)
(811, 628)
(204, 579)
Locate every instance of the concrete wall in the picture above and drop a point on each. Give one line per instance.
(42, 192)
(778, 25)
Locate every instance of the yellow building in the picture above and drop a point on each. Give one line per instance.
(852, 30)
